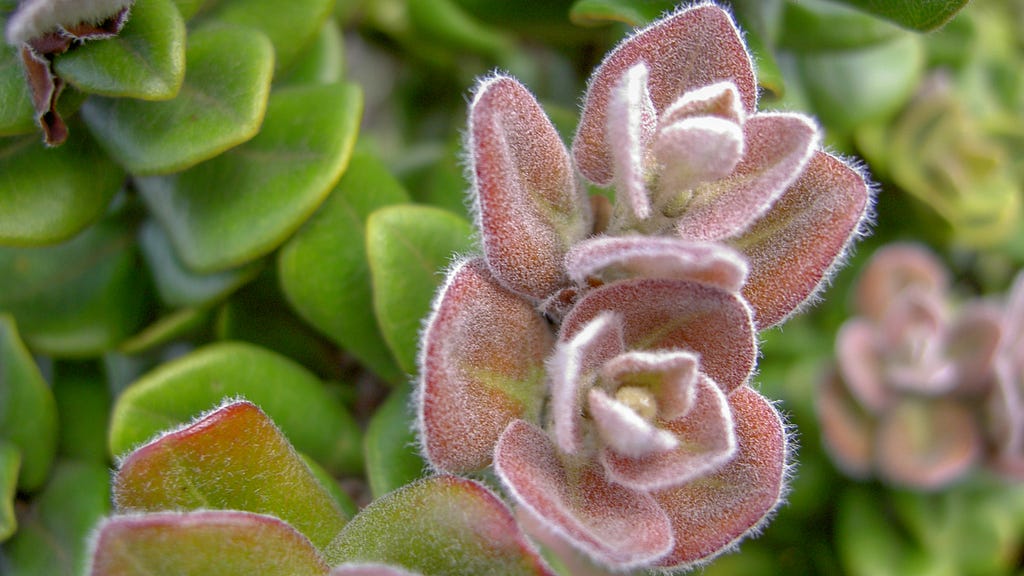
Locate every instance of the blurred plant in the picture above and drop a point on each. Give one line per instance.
(599, 355)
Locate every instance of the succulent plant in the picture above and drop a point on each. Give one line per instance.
(599, 356)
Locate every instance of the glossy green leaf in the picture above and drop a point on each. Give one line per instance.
(80, 297)
(595, 12)
(392, 460)
(145, 60)
(233, 458)
(441, 525)
(226, 543)
(323, 268)
(220, 105)
(290, 30)
(443, 22)
(177, 285)
(83, 409)
(17, 116)
(922, 15)
(52, 538)
(28, 413)
(175, 325)
(177, 391)
(818, 25)
(245, 203)
(408, 248)
(48, 195)
(10, 464)
(323, 61)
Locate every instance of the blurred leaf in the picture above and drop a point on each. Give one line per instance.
(220, 105)
(344, 502)
(145, 60)
(177, 324)
(10, 463)
(323, 61)
(48, 195)
(246, 202)
(921, 15)
(177, 391)
(392, 459)
(233, 458)
(819, 25)
(28, 413)
(83, 409)
(408, 249)
(80, 297)
(54, 530)
(443, 22)
(441, 525)
(179, 286)
(323, 268)
(17, 115)
(226, 543)
(290, 29)
(596, 12)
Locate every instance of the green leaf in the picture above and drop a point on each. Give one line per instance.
(233, 458)
(291, 29)
(323, 61)
(175, 325)
(408, 249)
(246, 202)
(817, 25)
(177, 391)
(48, 195)
(920, 15)
(83, 409)
(145, 60)
(596, 12)
(177, 285)
(80, 297)
(441, 525)
(220, 105)
(52, 538)
(17, 115)
(323, 268)
(28, 413)
(444, 23)
(10, 464)
(392, 460)
(226, 543)
(330, 484)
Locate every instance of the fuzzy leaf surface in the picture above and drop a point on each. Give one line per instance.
(295, 399)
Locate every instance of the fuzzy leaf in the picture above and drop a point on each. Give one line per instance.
(228, 543)
(48, 195)
(476, 375)
(777, 147)
(927, 443)
(36, 18)
(441, 525)
(145, 60)
(234, 458)
(614, 258)
(624, 432)
(794, 247)
(324, 271)
(921, 15)
(248, 201)
(392, 460)
(613, 524)
(670, 375)
(295, 399)
(220, 105)
(369, 569)
(713, 512)
(630, 136)
(529, 204)
(691, 48)
(408, 248)
(663, 314)
(80, 297)
(694, 151)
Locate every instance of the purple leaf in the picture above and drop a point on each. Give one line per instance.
(370, 569)
(847, 430)
(530, 206)
(623, 430)
(481, 366)
(671, 375)
(927, 443)
(896, 268)
(860, 364)
(630, 137)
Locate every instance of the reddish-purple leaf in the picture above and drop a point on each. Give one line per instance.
(847, 430)
(670, 375)
(617, 526)
(777, 147)
(618, 257)
(691, 153)
(711, 514)
(481, 366)
(35, 18)
(573, 369)
(973, 341)
(630, 136)
(369, 569)
(663, 314)
(719, 100)
(860, 364)
(623, 430)
(793, 248)
(894, 269)
(45, 88)
(530, 207)
(691, 48)
(222, 542)
(706, 441)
